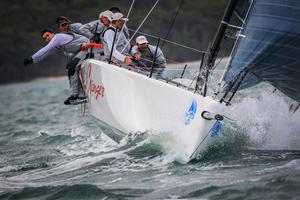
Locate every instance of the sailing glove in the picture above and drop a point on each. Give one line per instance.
(28, 61)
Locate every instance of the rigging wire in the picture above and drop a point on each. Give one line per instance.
(171, 60)
(169, 41)
(172, 23)
(169, 30)
(114, 40)
(129, 11)
(150, 11)
(228, 65)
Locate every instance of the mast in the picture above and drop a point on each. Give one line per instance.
(220, 33)
(229, 62)
(214, 48)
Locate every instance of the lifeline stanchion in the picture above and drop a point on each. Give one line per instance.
(154, 58)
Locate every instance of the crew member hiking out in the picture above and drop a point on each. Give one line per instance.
(69, 43)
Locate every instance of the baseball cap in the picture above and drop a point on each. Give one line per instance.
(106, 13)
(62, 20)
(118, 16)
(141, 40)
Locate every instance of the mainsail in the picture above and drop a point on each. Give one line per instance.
(270, 47)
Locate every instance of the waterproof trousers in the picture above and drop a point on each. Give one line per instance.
(73, 68)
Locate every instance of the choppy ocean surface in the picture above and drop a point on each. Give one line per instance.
(50, 151)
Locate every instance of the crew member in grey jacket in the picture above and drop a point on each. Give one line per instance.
(125, 28)
(144, 53)
(64, 25)
(103, 22)
(69, 43)
(89, 30)
(115, 41)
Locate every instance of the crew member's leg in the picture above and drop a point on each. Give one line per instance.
(73, 76)
(77, 92)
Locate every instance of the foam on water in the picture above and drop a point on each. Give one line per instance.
(266, 118)
(51, 152)
(87, 141)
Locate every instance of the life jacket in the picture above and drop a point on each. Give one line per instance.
(74, 45)
(121, 44)
(98, 35)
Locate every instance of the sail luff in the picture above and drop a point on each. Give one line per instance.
(235, 44)
(271, 46)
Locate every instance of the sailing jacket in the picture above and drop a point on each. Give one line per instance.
(121, 44)
(76, 28)
(74, 45)
(148, 55)
(69, 43)
(89, 29)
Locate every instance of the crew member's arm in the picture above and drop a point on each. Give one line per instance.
(58, 39)
(134, 52)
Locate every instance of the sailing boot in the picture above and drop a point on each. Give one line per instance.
(75, 100)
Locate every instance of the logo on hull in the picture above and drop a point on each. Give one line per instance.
(91, 87)
(190, 114)
(215, 129)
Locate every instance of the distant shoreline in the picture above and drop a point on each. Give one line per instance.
(50, 78)
(36, 79)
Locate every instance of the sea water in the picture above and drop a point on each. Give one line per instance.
(52, 151)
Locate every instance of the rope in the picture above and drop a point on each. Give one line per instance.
(173, 21)
(140, 25)
(129, 11)
(171, 60)
(169, 41)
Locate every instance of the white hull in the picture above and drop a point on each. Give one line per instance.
(132, 102)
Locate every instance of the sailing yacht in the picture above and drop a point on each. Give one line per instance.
(185, 119)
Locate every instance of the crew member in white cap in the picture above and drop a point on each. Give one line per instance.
(90, 32)
(70, 43)
(103, 22)
(125, 28)
(114, 38)
(144, 53)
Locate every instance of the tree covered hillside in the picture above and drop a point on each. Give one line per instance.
(22, 21)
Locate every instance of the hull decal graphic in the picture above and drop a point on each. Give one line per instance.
(190, 114)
